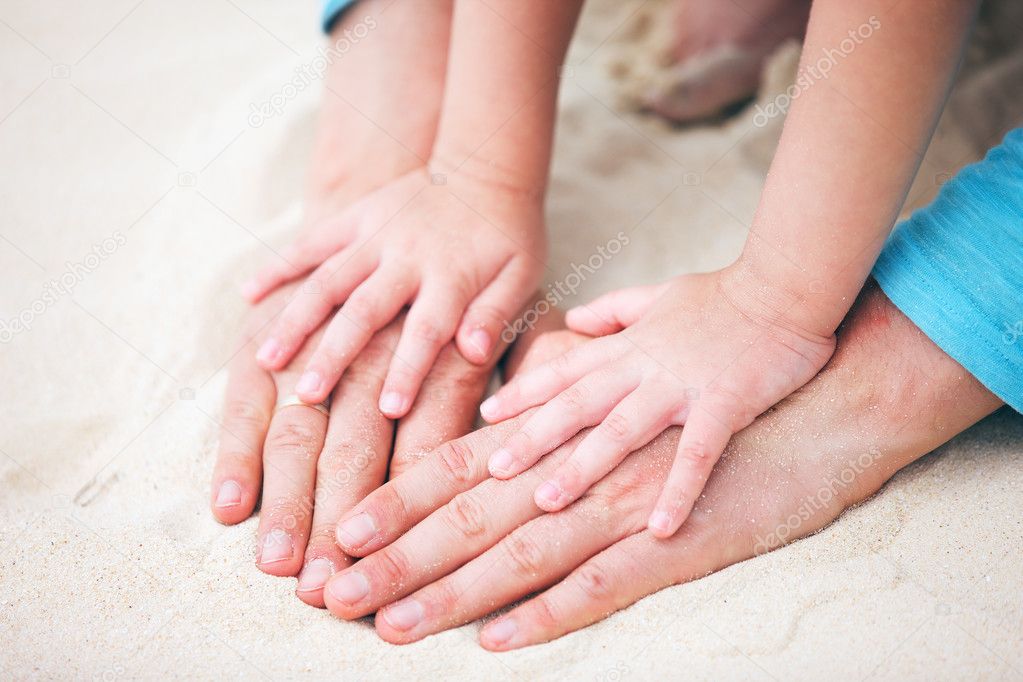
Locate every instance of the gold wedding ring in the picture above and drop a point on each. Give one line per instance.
(293, 399)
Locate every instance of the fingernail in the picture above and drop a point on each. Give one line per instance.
(350, 588)
(659, 521)
(356, 531)
(393, 403)
(229, 495)
(404, 615)
(269, 351)
(315, 575)
(309, 383)
(489, 408)
(277, 546)
(480, 340)
(501, 462)
(548, 494)
(500, 631)
(249, 288)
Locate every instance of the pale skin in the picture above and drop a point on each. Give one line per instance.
(717, 349)
(306, 470)
(459, 239)
(450, 545)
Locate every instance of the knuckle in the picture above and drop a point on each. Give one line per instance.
(456, 462)
(367, 377)
(561, 366)
(392, 566)
(392, 505)
(358, 309)
(294, 438)
(322, 540)
(288, 513)
(573, 399)
(245, 413)
(594, 582)
(545, 614)
(525, 555)
(443, 595)
(615, 427)
(426, 332)
(465, 515)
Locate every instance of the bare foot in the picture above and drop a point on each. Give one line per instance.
(720, 50)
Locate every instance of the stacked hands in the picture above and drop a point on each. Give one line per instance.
(426, 236)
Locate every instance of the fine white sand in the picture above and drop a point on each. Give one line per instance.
(128, 122)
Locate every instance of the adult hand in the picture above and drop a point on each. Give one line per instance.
(449, 545)
(312, 469)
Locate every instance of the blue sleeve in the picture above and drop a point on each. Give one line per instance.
(955, 268)
(332, 11)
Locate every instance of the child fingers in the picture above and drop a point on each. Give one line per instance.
(297, 259)
(704, 438)
(312, 302)
(430, 324)
(371, 306)
(629, 426)
(614, 311)
(544, 382)
(486, 324)
(581, 405)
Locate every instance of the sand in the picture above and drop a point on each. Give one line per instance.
(129, 162)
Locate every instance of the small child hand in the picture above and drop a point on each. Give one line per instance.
(704, 355)
(614, 311)
(464, 255)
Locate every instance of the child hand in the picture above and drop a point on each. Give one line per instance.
(705, 355)
(614, 311)
(464, 254)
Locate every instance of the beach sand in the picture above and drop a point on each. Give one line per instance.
(134, 172)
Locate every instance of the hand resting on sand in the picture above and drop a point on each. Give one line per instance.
(444, 544)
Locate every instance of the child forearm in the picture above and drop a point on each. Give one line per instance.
(497, 120)
(367, 132)
(854, 138)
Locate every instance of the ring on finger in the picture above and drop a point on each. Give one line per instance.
(293, 399)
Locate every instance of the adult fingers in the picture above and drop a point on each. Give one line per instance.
(312, 302)
(453, 468)
(619, 576)
(542, 383)
(372, 305)
(614, 311)
(352, 464)
(581, 405)
(488, 317)
(629, 426)
(248, 404)
(457, 532)
(446, 409)
(429, 325)
(292, 446)
(524, 561)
